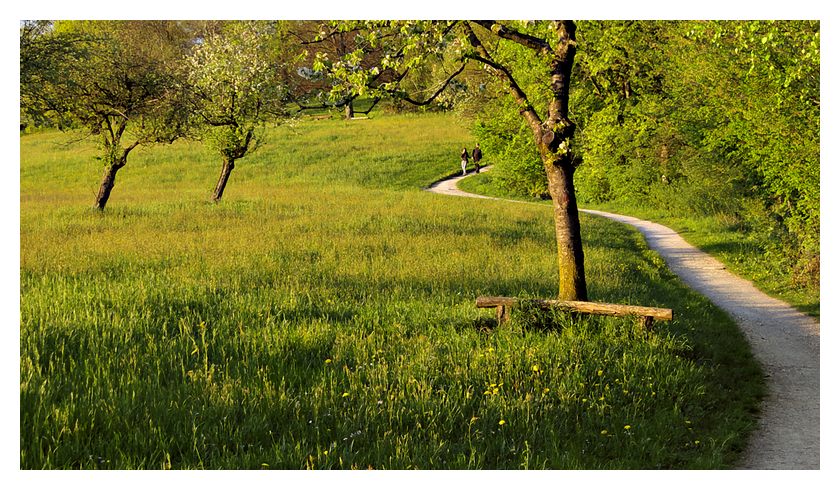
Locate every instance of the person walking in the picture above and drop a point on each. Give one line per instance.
(465, 157)
(476, 154)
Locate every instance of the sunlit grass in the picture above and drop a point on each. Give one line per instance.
(322, 316)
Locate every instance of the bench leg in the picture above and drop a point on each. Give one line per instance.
(646, 322)
(502, 314)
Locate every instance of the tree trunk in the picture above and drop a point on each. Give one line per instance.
(108, 181)
(348, 110)
(227, 168)
(572, 280)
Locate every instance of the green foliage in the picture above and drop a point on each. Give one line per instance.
(507, 143)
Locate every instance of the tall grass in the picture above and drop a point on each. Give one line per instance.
(322, 316)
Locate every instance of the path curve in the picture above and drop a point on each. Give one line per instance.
(785, 341)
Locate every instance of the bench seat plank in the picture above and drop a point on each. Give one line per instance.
(661, 314)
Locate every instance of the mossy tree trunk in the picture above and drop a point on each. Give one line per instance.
(553, 138)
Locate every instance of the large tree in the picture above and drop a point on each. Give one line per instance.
(237, 86)
(506, 51)
(117, 79)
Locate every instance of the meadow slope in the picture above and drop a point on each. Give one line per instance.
(322, 316)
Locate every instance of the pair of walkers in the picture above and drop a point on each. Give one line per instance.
(465, 158)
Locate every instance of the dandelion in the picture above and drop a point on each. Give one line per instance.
(600, 372)
(345, 395)
(325, 453)
(696, 442)
(502, 422)
(627, 427)
(328, 361)
(604, 432)
(535, 368)
(546, 390)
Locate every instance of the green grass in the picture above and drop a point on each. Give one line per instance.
(322, 316)
(744, 255)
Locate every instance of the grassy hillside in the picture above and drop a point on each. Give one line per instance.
(322, 316)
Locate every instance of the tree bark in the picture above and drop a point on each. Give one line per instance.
(108, 181)
(572, 279)
(227, 168)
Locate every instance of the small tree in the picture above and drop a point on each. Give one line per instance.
(236, 88)
(118, 79)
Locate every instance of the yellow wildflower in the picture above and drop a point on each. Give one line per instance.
(345, 395)
(502, 422)
(627, 427)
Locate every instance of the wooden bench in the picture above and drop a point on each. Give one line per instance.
(646, 314)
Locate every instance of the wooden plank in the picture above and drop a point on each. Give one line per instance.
(580, 306)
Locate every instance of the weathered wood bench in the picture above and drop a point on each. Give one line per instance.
(646, 314)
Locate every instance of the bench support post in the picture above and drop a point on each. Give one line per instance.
(502, 314)
(646, 322)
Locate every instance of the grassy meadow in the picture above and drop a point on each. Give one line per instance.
(322, 316)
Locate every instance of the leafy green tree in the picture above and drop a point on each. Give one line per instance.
(236, 90)
(711, 118)
(117, 79)
(506, 51)
(764, 94)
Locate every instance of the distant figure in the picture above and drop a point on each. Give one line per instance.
(477, 158)
(465, 157)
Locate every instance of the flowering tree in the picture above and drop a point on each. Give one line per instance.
(236, 89)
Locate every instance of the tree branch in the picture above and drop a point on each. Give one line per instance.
(525, 107)
(434, 96)
(505, 32)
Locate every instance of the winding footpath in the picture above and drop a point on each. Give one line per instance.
(785, 341)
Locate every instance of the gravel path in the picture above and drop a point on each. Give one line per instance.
(785, 341)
